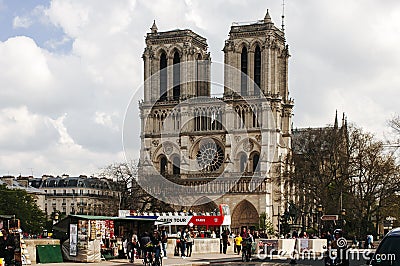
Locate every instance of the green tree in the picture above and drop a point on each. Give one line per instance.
(19, 203)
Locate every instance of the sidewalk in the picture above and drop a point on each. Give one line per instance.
(195, 259)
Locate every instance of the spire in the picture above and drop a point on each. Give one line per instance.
(336, 121)
(343, 119)
(154, 28)
(283, 15)
(267, 18)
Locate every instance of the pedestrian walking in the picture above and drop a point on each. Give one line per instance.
(164, 241)
(225, 241)
(294, 253)
(238, 243)
(182, 243)
(189, 242)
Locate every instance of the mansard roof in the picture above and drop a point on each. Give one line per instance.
(91, 182)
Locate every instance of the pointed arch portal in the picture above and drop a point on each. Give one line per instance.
(244, 214)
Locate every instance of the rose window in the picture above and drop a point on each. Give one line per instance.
(210, 156)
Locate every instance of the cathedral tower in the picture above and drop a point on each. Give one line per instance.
(173, 59)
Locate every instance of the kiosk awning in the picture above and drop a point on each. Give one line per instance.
(129, 218)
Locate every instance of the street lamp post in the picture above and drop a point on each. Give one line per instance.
(279, 224)
(319, 212)
(343, 214)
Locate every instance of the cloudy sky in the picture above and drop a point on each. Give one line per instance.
(69, 67)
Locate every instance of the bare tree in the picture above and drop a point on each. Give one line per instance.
(321, 161)
(133, 196)
(374, 179)
(394, 123)
(345, 168)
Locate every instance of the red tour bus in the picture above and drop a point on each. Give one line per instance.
(205, 223)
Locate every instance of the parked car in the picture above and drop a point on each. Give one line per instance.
(388, 251)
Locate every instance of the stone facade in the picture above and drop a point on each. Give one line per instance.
(240, 140)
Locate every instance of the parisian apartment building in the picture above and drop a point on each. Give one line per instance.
(69, 194)
(78, 195)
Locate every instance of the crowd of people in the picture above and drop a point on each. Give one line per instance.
(184, 242)
(154, 246)
(147, 246)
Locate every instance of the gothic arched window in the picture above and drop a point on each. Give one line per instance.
(243, 68)
(257, 70)
(243, 162)
(163, 77)
(163, 165)
(201, 89)
(176, 77)
(256, 165)
(176, 168)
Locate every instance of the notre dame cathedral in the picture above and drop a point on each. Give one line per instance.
(237, 143)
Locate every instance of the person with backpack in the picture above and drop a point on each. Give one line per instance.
(147, 247)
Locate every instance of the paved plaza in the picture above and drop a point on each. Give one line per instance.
(207, 259)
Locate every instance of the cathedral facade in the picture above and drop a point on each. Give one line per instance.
(230, 149)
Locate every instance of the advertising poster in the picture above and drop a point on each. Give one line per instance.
(83, 234)
(73, 239)
(111, 226)
(92, 230)
(303, 244)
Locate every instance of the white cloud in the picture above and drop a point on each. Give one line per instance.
(65, 139)
(22, 22)
(345, 56)
(24, 65)
(106, 119)
(22, 130)
(53, 44)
